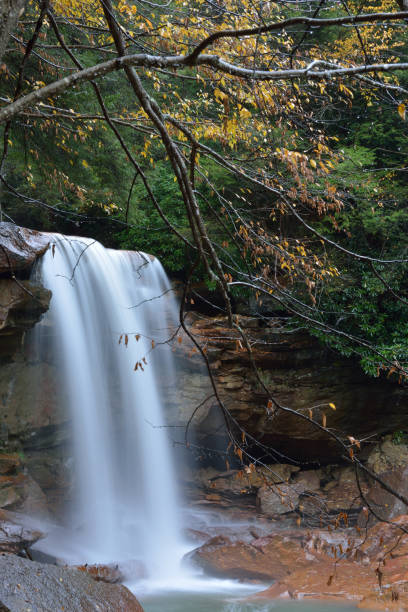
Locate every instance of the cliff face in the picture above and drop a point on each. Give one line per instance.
(21, 306)
(299, 373)
(30, 427)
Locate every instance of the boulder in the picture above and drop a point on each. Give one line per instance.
(385, 505)
(19, 248)
(26, 585)
(339, 495)
(238, 482)
(224, 558)
(14, 537)
(309, 480)
(388, 461)
(279, 499)
(20, 492)
(388, 455)
(343, 494)
(271, 557)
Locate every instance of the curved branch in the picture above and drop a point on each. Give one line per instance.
(280, 25)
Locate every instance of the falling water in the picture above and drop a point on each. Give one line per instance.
(110, 328)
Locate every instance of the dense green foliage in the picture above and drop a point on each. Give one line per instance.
(82, 175)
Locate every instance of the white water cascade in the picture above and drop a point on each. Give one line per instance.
(107, 315)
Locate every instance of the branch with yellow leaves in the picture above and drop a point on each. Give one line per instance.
(311, 71)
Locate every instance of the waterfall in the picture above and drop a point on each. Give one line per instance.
(110, 332)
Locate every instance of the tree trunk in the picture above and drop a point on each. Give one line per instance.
(9, 13)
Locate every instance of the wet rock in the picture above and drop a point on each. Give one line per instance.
(33, 500)
(271, 557)
(339, 580)
(14, 537)
(109, 573)
(370, 570)
(27, 584)
(20, 247)
(386, 541)
(223, 558)
(9, 463)
(309, 480)
(9, 494)
(21, 304)
(385, 504)
(387, 456)
(388, 461)
(340, 495)
(344, 495)
(20, 492)
(325, 579)
(390, 600)
(238, 482)
(31, 417)
(279, 499)
(196, 536)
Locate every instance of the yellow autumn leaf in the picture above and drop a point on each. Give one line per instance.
(401, 111)
(332, 406)
(219, 95)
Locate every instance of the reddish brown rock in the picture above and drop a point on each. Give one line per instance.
(387, 540)
(326, 579)
(344, 580)
(272, 557)
(389, 600)
(109, 573)
(370, 570)
(20, 247)
(224, 558)
(9, 463)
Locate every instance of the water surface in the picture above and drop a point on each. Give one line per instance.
(201, 602)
